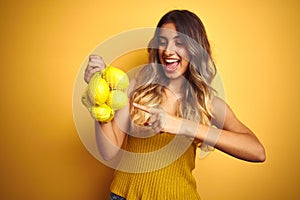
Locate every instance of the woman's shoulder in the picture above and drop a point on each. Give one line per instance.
(217, 103)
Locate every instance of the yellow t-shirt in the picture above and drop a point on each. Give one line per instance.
(156, 168)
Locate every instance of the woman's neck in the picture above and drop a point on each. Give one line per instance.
(176, 86)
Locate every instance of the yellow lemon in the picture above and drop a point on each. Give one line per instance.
(117, 99)
(102, 113)
(98, 89)
(115, 77)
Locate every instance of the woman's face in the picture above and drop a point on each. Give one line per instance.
(172, 52)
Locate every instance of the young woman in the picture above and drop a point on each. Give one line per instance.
(172, 111)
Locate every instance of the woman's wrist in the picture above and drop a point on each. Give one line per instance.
(181, 126)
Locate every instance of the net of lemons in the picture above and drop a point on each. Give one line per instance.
(106, 93)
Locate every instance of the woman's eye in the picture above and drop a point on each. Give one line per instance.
(179, 43)
(162, 43)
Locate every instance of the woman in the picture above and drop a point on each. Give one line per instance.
(171, 96)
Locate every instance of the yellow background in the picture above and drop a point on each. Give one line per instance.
(44, 43)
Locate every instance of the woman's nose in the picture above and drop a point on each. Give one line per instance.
(169, 50)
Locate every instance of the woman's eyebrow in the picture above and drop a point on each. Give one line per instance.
(162, 37)
(175, 37)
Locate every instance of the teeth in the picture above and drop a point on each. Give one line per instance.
(171, 60)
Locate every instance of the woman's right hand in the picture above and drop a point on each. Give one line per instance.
(95, 64)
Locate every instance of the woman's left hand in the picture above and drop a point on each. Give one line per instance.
(159, 120)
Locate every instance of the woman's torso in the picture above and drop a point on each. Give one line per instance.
(157, 167)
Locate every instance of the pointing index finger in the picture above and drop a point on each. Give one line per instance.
(147, 109)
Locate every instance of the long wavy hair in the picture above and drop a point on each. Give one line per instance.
(197, 92)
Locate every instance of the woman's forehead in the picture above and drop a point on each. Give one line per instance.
(169, 31)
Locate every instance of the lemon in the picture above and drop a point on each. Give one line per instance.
(105, 93)
(98, 89)
(115, 77)
(117, 99)
(102, 113)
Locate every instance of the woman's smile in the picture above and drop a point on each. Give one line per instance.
(171, 64)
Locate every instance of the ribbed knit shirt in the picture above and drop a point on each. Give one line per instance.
(157, 168)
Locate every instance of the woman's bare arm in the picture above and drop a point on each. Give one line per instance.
(231, 136)
(110, 136)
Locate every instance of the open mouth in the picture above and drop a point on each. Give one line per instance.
(171, 64)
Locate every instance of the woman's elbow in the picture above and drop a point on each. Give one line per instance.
(108, 156)
(260, 155)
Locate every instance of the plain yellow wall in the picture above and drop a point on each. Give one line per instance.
(44, 43)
